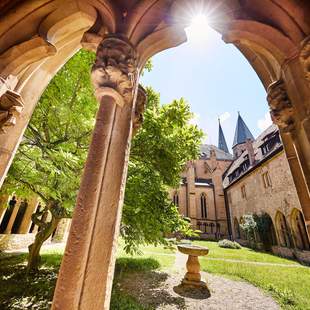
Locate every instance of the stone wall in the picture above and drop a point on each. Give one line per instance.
(190, 193)
(302, 256)
(280, 196)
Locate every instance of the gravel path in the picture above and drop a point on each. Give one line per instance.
(161, 291)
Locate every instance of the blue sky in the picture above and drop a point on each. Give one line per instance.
(215, 79)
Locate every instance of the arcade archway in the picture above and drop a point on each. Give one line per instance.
(37, 38)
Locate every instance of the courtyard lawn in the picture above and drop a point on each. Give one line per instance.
(244, 254)
(287, 281)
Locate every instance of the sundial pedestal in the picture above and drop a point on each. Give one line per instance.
(192, 277)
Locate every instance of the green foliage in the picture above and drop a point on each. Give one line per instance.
(229, 244)
(248, 225)
(126, 264)
(51, 156)
(285, 296)
(50, 159)
(264, 228)
(159, 152)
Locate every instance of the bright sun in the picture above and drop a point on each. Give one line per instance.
(199, 28)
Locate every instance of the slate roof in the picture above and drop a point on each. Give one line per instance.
(242, 132)
(222, 142)
(266, 135)
(205, 150)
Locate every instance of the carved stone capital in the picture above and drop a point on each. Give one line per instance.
(115, 70)
(281, 109)
(139, 109)
(11, 103)
(304, 57)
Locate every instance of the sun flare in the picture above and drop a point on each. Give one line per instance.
(199, 28)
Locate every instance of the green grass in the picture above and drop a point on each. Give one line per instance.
(289, 286)
(243, 254)
(35, 291)
(288, 282)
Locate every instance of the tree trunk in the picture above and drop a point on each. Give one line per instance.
(34, 249)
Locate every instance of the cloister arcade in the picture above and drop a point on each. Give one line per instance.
(284, 231)
(37, 37)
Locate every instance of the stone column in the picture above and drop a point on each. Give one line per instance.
(61, 230)
(285, 115)
(191, 194)
(87, 269)
(26, 222)
(12, 218)
(3, 205)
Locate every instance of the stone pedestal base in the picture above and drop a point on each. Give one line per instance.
(194, 284)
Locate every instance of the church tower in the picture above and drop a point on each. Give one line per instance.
(222, 142)
(242, 135)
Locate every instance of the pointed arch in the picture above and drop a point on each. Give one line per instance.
(283, 230)
(299, 231)
(203, 206)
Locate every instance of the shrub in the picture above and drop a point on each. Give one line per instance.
(286, 296)
(248, 225)
(229, 244)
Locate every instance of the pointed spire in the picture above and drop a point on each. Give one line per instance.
(222, 142)
(242, 132)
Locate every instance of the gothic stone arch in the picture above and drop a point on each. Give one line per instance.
(36, 39)
(283, 230)
(299, 231)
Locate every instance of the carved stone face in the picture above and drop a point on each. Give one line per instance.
(281, 109)
(115, 66)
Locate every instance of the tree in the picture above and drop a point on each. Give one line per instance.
(51, 156)
(159, 153)
(50, 159)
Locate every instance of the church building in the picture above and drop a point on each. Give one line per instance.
(219, 189)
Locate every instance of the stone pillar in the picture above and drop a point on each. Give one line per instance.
(26, 222)
(287, 117)
(87, 269)
(12, 218)
(61, 230)
(191, 193)
(3, 205)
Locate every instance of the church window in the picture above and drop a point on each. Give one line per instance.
(266, 179)
(176, 199)
(203, 205)
(243, 192)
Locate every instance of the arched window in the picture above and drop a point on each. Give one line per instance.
(283, 230)
(176, 199)
(299, 230)
(203, 205)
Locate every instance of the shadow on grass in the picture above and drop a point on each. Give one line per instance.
(20, 290)
(139, 280)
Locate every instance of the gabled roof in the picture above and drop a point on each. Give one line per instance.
(222, 145)
(205, 152)
(259, 156)
(242, 132)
